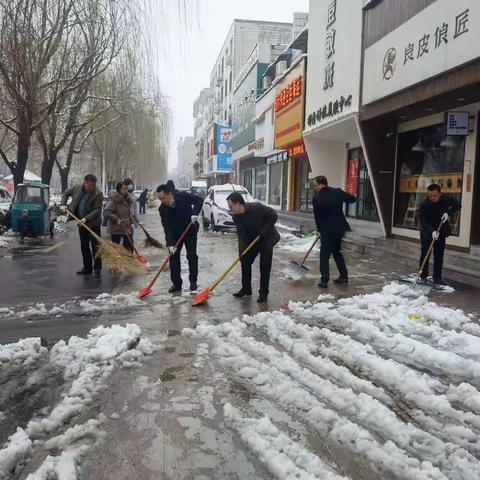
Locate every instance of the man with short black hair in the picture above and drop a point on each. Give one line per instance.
(434, 209)
(177, 210)
(86, 204)
(252, 220)
(331, 225)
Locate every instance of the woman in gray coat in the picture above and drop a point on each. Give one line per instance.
(120, 219)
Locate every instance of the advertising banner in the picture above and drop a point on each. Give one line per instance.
(224, 148)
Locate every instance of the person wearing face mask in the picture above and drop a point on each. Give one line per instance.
(133, 201)
(119, 215)
(176, 211)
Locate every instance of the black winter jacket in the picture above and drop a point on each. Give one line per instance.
(430, 215)
(175, 218)
(258, 219)
(328, 210)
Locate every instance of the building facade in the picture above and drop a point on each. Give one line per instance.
(186, 161)
(420, 110)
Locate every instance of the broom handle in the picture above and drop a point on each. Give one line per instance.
(130, 239)
(179, 241)
(234, 263)
(429, 251)
(92, 233)
(310, 250)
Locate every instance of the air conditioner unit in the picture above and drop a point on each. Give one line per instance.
(228, 60)
(281, 67)
(267, 83)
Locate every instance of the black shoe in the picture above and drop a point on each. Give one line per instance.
(174, 289)
(84, 272)
(439, 281)
(323, 284)
(262, 298)
(243, 293)
(341, 280)
(193, 287)
(97, 273)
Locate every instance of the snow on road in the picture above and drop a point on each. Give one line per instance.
(392, 377)
(52, 437)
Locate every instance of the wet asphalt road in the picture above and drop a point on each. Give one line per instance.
(171, 421)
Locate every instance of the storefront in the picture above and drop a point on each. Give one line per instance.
(290, 179)
(332, 133)
(277, 165)
(421, 103)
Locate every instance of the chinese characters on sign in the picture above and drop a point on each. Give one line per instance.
(277, 157)
(330, 110)
(424, 45)
(288, 94)
(330, 46)
(296, 151)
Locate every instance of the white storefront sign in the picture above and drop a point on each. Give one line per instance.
(457, 123)
(334, 59)
(441, 37)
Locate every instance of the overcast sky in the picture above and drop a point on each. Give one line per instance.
(182, 77)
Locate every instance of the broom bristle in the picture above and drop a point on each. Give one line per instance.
(117, 259)
(152, 242)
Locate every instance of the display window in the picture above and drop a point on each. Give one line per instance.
(261, 184)
(275, 184)
(427, 156)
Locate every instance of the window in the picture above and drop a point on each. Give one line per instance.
(248, 179)
(30, 195)
(261, 184)
(275, 183)
(230, 81)
(426, 156)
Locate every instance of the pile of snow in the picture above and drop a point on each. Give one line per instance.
(393, 377)
(25, 352)
(86, 365)
(298, 244)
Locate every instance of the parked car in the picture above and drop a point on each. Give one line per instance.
(5, 199)
(215, 212)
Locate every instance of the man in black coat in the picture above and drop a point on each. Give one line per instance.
(177, 210)
(332, 225)
(434, 209)
(253, 219)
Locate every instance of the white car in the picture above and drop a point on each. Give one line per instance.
(5, 199)
(215, 212)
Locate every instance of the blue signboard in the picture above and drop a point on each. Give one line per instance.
(224, 148)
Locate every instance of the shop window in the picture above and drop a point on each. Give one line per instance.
(275, 183)
(426, 156)
(261, 184)
(285, 185)
(303, 187)
(248, 180)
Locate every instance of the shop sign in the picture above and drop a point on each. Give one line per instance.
(457, 123)
(329, 72)
(352, 177)
(329, 110)
(290, 93)
(257, 145)
(277, 158)
(249, 64)
(441, 37)
(297, 150)
(450, 182)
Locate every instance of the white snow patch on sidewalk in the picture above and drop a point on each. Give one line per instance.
(284, 458)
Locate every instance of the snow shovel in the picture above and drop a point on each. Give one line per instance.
(425, 289)
(144, 292)
(203, 296)
(301, 268)
(138, 255)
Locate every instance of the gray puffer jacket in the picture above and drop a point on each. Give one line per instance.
(118, 208)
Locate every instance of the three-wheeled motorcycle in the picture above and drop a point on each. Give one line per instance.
(31, 215)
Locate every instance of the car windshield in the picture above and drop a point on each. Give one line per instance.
(29, 195)
(221, 197)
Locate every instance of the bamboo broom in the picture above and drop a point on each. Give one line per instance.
(116, 258)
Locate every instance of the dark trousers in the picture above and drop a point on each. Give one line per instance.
(190, 243)
(142, 207)
(266, 255)
(331, 244)
(438, 252)
(124, 240)
(89, 246)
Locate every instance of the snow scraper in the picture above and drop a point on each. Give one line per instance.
(301, 269)
(144, 292)
(138, 255)
(203, 296)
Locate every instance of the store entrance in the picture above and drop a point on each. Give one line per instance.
(359, 184)
(475, 232)
(303, 188)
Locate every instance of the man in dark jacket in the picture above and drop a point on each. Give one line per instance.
(254, 219)
(332, 225)
(142, 200)
(86, 204)
(434, 209)
(177, 210)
